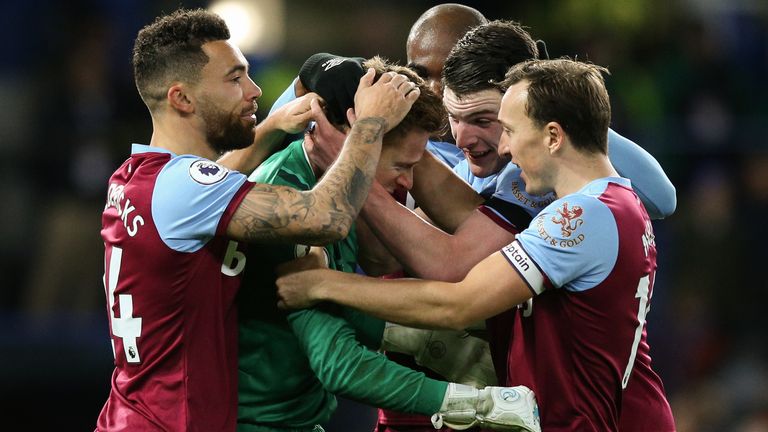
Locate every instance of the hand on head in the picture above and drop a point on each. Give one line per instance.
(390, 98)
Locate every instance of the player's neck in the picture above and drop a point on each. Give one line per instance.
(315, 168)
(180, 137)
(579, 170)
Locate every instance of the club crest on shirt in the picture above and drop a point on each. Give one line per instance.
(207, 172)
(568, 218)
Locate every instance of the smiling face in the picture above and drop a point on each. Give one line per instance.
(475, 127)
(399, 154)
(525, 142)
(226, 98)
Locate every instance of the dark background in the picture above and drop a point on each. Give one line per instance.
(688, 84)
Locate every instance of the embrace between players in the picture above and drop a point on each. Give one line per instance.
(550, 257)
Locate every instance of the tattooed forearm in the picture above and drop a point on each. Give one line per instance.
(355, 173)
(280, 214)
(370, 129)
(275, 213)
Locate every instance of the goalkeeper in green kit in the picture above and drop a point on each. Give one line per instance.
(292, 364)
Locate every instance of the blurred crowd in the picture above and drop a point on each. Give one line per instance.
(688, 83)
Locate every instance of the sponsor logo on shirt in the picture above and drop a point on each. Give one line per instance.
(207, 172)
(518, 191)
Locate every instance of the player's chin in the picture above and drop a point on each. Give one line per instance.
(482, 170)
(531, 187)
(243, 141)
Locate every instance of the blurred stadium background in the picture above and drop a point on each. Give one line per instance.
(688, 83)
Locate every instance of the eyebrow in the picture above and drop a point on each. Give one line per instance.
(236, 68)
(419, 69)
(474, 113)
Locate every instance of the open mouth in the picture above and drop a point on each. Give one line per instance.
(250, 113)
(477, 155)
(250, 116)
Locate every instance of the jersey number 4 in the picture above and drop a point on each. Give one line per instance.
(127, 327)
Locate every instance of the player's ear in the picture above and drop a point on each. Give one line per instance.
(179, 98)
(555, 136)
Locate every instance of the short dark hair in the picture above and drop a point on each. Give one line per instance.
(170, 49)
(427, 112)
(482, 57)
(571, 93)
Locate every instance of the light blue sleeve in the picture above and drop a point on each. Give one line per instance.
(484, 186)
(446, 152)
(190, 197)
(649, 181)
(574, 242)
(288, 95)
(510, 187)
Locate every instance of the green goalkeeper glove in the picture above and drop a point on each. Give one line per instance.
(496, 408)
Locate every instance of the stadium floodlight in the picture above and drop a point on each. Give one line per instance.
(257, 27)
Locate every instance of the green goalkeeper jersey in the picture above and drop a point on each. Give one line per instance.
(292, 364)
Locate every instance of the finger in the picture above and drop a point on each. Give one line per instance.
(311, 95)
(398, 80)
(406, 87)
(304, 116)
(309, 141)
(307, 105)
(351, 117)
(367, 79)
(413, 94)
(318, 98)
(318, 115)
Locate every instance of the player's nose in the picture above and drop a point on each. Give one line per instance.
(405, 181)
(463, 135)
(253, 91)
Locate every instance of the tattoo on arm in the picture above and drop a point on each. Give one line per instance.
(275, 213)
(364, 148)
(272, 213)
